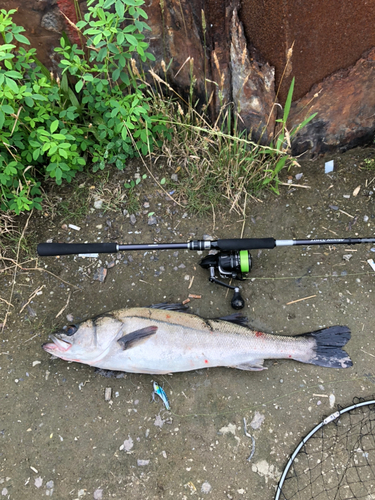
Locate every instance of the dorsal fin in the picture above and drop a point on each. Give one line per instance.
(236, 318)
(170, 307)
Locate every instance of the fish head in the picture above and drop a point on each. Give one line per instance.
(87, 342)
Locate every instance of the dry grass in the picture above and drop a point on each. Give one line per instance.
(216, 162)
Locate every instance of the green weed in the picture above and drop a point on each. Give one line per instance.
(51, 128)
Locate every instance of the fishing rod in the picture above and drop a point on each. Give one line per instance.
(232, 258)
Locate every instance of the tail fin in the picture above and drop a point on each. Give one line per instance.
(328, 349)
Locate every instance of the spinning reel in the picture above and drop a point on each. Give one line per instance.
(231, 264)
(232, 259)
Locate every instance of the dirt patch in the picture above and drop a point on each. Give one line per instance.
(61, 438)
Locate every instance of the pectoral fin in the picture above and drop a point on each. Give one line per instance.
(255, 366)
(131, 339)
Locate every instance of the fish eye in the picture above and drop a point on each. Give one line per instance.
(71, 330)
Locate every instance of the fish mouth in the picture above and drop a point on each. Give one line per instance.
(57, 345)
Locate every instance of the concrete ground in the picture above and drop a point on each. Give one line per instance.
(59, 435)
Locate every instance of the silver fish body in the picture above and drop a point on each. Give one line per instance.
(157, 341)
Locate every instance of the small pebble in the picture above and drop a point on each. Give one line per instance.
(98, 494)
(206, 488)
(142, 463)
(100, 274)
(133, 220)
(152, 220)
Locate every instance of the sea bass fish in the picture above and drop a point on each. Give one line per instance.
(164, 339)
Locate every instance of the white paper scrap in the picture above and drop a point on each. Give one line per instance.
(328, 167)
(372, 263)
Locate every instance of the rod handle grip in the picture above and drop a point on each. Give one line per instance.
(246, 243)
(48, 249)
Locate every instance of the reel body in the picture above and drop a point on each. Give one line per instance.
(229, 264)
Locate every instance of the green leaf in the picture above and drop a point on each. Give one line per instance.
(7, 109)
(280, 165)
(73, 99)
(29, 101)
(302, 124)
(102, 53)
(120, 9)
(2, 119)
(142, 13)
(112, 48)
(116, 74)
(36, 154)
(108, 4)
(54, 126)
(63, 153)
(45, 71)
(120, 38)
(7, 47)
(288, 102)
(125, 78)
(14, 74)
(39, 97)
(79, 86)
(150, 56)
(131, 39)
(21, 39)
(97, 39)
(11, 84)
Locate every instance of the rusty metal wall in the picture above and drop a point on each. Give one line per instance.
(329, 35)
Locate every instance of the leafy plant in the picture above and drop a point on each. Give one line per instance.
(108, 87)
(99, 111)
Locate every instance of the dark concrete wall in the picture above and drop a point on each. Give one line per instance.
(329, 35)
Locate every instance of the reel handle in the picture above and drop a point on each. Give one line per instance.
(237, 301)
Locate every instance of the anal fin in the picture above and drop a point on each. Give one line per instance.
(253, 366)
(131, 339)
